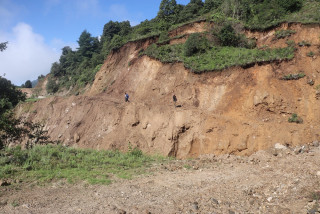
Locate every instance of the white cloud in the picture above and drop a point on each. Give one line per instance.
(26, 56)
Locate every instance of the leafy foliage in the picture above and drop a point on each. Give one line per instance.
(52, 86)
(77, 68)
(293, 76)
(3, 46)
(196, 43)
(15, 129)
(10, 96)
(28, 84)
(295, 119)
(280, 34)
(228, 36)
(217, 58)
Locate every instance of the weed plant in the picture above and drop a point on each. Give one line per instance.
(295, 119)
(293, 76)
(47, 163)
(280, 34)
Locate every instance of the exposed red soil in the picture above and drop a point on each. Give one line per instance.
(236, 111)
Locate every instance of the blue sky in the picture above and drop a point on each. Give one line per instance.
(37, 30)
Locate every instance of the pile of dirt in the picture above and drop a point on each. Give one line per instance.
(236, 111)
(280, 180)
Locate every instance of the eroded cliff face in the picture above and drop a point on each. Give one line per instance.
(236, 111)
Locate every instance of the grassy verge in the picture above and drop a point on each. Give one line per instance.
(217, 58)
(47, 163)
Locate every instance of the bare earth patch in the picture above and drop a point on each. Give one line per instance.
(283, 180)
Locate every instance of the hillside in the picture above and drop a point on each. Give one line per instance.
(239, 110)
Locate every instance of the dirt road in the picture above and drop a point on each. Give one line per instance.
(276, 181)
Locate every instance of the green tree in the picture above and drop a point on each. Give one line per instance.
(52, 86)
(195, 43)
(28, 84)
(190, 11)
(228, 36)
(3, 46)
(211, 4)
(87, 44)
(290, 5)
(167, 10)
(56, 70)
(9, 95)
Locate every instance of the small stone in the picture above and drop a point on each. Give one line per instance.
(3, 203)
(318, 173)
(251, 201)
(4, 183)
(232, 212)
(76, 138)
(195, 205)
(279, 146)
(315, 143)
(269, 199)
(215, 201)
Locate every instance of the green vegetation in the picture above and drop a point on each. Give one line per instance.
(47, 163)
(14, 129)
(293, 76)
(310, 54)
(3, 46)
(217, 58)
(77, 68)
(295, 119)
(304, 43)
(27, 84)
(280, 34)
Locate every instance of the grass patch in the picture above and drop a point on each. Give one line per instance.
(280, 34)
(293, 76)
(47, 163)
(32, 100)
(217, 58)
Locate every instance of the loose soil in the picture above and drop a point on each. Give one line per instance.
(274, 181)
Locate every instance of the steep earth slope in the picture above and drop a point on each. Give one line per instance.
(237, 111)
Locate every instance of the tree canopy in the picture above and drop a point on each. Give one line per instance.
(3, 46)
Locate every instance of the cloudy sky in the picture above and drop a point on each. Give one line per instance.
(37, 30)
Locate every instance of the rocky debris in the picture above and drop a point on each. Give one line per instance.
(76, 138)
(310, 82)
(4, 182)
(260, 183)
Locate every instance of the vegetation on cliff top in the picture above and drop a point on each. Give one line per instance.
(76, 68)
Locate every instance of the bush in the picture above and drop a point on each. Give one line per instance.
(52, 86)
(310, 54)
(196, 43)
(293, 76)
(280, 34)
(304, 43)
(228, 36)
(295, 119)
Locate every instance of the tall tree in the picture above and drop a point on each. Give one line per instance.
(28, 84)
(3, 46)
(167, 10)
(87, 44)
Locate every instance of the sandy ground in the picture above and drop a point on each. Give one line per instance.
(273, 181)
